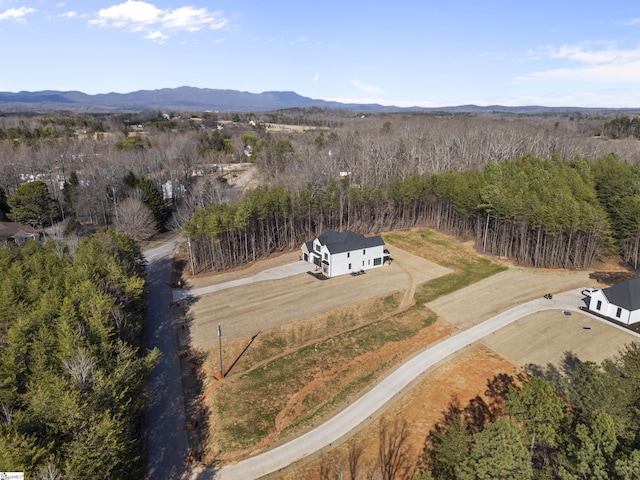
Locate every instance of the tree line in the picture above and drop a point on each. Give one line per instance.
(73, 367)
(543, 212)
(90, 153)
(139, 209)
(622, 127)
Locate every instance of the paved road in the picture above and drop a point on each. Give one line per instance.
(395, 384)
(274, 273)
(167, 440)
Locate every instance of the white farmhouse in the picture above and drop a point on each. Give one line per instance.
(620, 302)
(339, 253)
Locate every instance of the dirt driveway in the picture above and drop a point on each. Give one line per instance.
(246, 309)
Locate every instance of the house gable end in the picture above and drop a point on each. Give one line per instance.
(625, 294)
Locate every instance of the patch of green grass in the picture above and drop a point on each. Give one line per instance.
(390, 302)
(325, 406)
(277, 380)
(467, 267)
(250, 405)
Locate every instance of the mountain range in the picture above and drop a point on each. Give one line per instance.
(199, 99)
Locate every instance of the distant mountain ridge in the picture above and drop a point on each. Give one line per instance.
(181, 98)
(194, 99)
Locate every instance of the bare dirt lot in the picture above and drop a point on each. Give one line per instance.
(505, 290)
(539, 338)
(247, 309)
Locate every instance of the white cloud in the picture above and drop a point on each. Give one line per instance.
(384, 101)
(157, 36)
(132, 13)
(192, 19)
(18, 15)
(72, 14)
(608, 64)
(492, 54)
(302, 39)
(156, 23)
(366, 88)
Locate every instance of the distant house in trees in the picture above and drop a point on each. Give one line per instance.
(15, 232)
(620, 302)
(339, 253)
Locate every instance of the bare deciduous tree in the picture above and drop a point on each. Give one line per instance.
(48, 472)
(134, 218)
(80, 368)
(337, 467)
(354, 455)
(7, 413)
(394, 459)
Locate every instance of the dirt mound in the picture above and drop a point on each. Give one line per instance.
(611, 278)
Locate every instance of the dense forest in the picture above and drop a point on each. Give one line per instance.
(543, 191)
(543, 212)
(73, 367)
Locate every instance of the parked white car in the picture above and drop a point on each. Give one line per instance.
(588, 291)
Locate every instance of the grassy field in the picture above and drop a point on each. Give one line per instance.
(298, 374)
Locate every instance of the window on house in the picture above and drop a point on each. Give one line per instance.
(618, 312)
(326, 256)
(348, 254)
(317, 247)
(364, 252)
(349, 266)
(599, 305)
(377, 261)
(368, 262)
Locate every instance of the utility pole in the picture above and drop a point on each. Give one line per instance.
(193, 270)
(220, 342)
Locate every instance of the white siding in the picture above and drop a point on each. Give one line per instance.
(361, 259)
(600, 304)
(634, 317)
(345, 262)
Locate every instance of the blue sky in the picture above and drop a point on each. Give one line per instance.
(426, 53)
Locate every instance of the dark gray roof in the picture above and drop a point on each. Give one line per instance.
(15, 231)
(625, 294)
(347, 241)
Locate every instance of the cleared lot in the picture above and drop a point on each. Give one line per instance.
(505, 290)
(543, 338)
(539, 338)
(244, 310)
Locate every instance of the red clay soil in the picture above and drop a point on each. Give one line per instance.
(464, 377)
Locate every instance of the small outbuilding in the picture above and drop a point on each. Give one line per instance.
(15, 232)
(339, 253)
(620, 302)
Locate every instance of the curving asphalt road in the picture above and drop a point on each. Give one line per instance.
(167, 443)
(366, 406)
